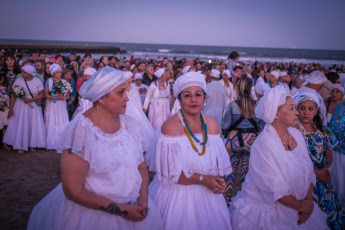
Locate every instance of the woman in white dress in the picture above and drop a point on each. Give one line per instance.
(188, 185)
(132, 93)
(25, 126)
(278, 191)
(55, 113)
(157, 100)
(104, 175)
(228, 86)
(142, 88)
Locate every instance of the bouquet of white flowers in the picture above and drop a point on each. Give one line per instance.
(67, 88)
(18, 92)
(4, 102)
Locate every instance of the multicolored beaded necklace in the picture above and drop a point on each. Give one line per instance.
(191, 135)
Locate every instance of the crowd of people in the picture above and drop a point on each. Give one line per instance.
(233, 145)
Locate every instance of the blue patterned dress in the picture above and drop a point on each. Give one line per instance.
(318, 142)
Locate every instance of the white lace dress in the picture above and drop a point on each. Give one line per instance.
(274, 173)
(113, 173)
(188, 206)
(26, 127)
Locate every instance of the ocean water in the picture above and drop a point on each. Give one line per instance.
(204, 53)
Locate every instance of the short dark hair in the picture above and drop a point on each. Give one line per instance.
(234, 55)
(237, 67)
(332, 76)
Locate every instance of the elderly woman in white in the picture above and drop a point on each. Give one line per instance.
(157, 100)
(104, 175)
(277, 193)
(190, 159)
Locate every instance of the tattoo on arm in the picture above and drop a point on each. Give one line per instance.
(114, 209)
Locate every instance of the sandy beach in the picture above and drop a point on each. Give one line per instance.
(24, 181)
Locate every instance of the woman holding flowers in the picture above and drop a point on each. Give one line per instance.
(26, 127)
(55, 115)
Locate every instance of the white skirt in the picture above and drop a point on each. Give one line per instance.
(56, 118)
(190, 207)
(25, 128)
(56, 212)
(159, 112)
(338, 175)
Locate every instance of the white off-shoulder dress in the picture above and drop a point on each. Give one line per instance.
(188, 206)
(113, 173)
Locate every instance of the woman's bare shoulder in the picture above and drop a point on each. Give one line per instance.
(172, 126)
(212, 125)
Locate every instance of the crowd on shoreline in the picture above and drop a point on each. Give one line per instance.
(53, 89)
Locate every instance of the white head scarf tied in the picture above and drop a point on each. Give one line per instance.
(127, 75)
(187, 80)
(101, 83)
(283, 73)
(159, 72)
(337, 86)
(269, 103)
(186, 69)
(29, 69)
(227, 72)
(53, 68)
(261, 87)
(215, 73)
(308, 94)
(138, 76)
(275, 73)
(90, 71)
(316, 77)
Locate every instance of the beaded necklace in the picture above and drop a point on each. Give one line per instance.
(318, 147)
(191, 135)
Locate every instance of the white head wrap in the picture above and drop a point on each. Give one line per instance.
(127, 75)
(308, 94)
(275, 73)
(227, 72)
(215, 73)
(269, 103)
(159, 72)
(337, 86)
(53, 68)
(261, 87)
(185, 69)
(138, 76)
(29, 69)
(316, 77)
(90, 71)
(101, 83)
(187, 80)
(283, 73)
(132, 66)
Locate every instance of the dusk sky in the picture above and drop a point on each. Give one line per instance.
(317, 24)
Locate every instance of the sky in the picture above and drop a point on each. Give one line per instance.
(316, 24)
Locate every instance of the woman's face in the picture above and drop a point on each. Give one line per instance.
(298, 84)
(57, 74)
(87, 77)
(135, 70)
(268, 77)
(307, 110)
(150, 70)
(273, 79)
(10, 62)
(225, 77)
(336, 94)
(115, 101)
(287, 79)
(262, 73)
(138, 82)
(25, 75)
(47, 68)
(287, 113)
(192, 100)
(67, 76)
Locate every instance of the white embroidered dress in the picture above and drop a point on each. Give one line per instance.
(55, 117)
(274, 173)
(113, 173)
(26, 127)
(188, 206)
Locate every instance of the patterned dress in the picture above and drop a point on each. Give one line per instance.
(317, 143)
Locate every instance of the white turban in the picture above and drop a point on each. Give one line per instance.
(187, 80)
(275, 73)
(185, 69)
(316, 77)
(29, 69)
(101, 83)
(308, 94)
(127, 75)
(215, 73)
(261, 87)
(53, 68)
(90, 71)
(283, 73)
(337, 86)
(269, 103)
(227, 72)
(138, 76)
(159, 72)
